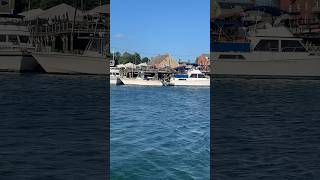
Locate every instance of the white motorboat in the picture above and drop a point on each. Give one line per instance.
(15, 46)
(141, 80)
(115, 76)
(67, 63)
(77, 47)
(272, 51)
(192, 78)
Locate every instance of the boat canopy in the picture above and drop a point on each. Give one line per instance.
(181, 76)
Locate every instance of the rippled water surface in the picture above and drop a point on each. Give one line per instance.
(266, 129)
(160, 132)
(53, 127)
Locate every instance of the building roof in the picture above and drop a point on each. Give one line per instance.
(104, 9)
(158, 59)
(32, 14)
(60, 11)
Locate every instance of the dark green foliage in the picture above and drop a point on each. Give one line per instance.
(127, 57)
(145, 60)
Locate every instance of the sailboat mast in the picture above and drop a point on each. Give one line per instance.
(113, 55)
(29, 5)
(73, 24)
(82, 6)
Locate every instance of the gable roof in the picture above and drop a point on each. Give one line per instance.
(60, 10)
(158, 59)
(104, 9)
(32, 14)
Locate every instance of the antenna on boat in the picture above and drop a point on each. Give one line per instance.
(113, 61)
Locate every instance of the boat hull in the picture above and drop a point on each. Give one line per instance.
(291, 68)
(115, 81)
(190, 82)
(141, 82)
(61, 63)
(18, 62)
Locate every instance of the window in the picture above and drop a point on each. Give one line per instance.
(193, 76)
(13, 39)
(201, 76)
(231, 56)
(4, 3)
(24, 39)
(267, 45)
(3, 38)
(292, 46)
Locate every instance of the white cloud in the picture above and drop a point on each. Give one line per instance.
(119, 36)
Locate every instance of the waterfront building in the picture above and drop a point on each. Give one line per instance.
(204, 61)
(64, 28)
(303, 9)
(228, 7)
(274, 3)
(7, 6)
(305, 19)
(163, 61)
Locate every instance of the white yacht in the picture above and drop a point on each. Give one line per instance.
(272, 51)
(68, 63)
(192, 78)
(15, 45)
(115, 76)
(141, 80)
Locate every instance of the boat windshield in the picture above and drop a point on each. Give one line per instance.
(13, 39)
(3, 38)
(193, 76)
(24, 39)
(267, 45)
(292, 46)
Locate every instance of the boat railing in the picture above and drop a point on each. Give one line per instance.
(16, 47)
(66, 27)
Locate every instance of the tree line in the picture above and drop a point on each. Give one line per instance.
(123, 58)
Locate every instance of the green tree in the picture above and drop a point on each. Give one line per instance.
(136, 59)
(145, 60)
(125, 58)
(117, 57)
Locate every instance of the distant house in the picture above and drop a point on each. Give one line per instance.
(7, 6)
(163, 61)
(204, 61)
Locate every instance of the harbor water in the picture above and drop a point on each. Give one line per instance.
(53, 126)
(160, 132)
(265, 129)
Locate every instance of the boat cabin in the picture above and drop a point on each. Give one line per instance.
(194, 74)
(13, 40)
(274, 40)
(114, 72)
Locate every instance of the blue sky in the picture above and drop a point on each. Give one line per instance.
(152, 27)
